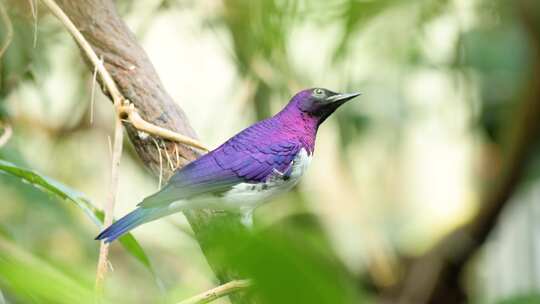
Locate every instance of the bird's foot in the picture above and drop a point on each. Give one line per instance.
(247, 218)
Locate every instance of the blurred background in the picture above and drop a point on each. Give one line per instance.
(396, 170)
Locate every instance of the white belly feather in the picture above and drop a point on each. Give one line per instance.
(249, 196)
(245, 197)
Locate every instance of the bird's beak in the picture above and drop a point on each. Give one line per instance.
(342, 97)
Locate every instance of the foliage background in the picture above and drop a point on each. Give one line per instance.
(394, 172)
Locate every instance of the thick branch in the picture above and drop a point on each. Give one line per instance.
(133, 74)
(124, 109)
(137, 81)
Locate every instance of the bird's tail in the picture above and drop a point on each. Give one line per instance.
(133, 219)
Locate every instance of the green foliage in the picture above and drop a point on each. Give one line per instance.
(351, 125)
(291, 269)
(33, 280)
(26, 54)
(500, 55)
(290, 262)
(353, 15)
(533, 298)
(72, 196)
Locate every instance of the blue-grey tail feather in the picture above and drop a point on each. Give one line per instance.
(137, 217)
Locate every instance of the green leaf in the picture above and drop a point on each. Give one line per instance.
(522, 299)
(92, 212)
(35, 281)
(50, 185)
(134, 248)
(289, 262)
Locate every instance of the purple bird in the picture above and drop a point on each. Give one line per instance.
(258, 163)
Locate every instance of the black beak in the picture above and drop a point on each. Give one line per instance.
(342, 97)
(333, 102)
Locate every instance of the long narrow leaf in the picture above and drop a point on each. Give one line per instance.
(36, 280)
(92, 212)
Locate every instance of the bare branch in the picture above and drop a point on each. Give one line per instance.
(100, 24)
(89, 52)
(118, 134)
(34, 9)
(93, 92)
(160, 164)
(218, 292)
(109, 206)
(117, 97)
(130, 114)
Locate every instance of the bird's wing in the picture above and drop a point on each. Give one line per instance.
(218, 171)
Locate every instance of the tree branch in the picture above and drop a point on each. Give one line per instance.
(129, 113)
(218, 292)
(118, 136)
(136, 79)
(109, 206)
(123, 111)
(118, 99)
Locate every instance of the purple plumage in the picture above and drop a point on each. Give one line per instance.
(259, 162)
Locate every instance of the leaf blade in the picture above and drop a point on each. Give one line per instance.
(64, 192)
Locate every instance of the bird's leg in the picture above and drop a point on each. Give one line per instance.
(277, 172)
(247, 217)
(284, 175)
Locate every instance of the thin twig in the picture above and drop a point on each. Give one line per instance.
(34, 9)
(134, 118)
(109, 206)
(177, 157)
(4, 138)
(130, 114)
(218, 292)
(121, 104)
(93, 92)
(9, 29)
(160, 163)
(118, 132)
(110, 203)
(89, 52)
(169, 159)
(109, 142)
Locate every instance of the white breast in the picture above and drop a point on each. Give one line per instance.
(248, 196)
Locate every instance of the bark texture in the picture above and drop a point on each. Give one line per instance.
(128, 64)
(132, 71)
(432, 278)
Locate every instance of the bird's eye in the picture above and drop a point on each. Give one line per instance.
(318, 92)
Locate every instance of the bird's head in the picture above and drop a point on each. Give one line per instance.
(320, 103)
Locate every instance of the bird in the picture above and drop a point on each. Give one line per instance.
(260, 162)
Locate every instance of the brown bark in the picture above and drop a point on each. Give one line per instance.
(436, 276)
(138, 81)
(432, 278)
(132, 71)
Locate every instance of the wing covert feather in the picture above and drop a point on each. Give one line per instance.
(249, 157)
